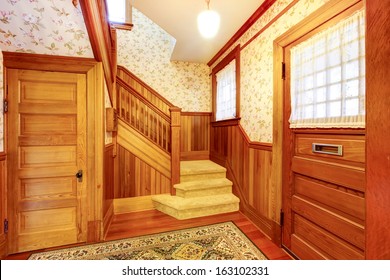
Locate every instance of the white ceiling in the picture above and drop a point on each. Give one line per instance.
(178, 18)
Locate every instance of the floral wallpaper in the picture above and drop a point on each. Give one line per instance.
(53, 27)
(146, 51)
(43, 26)
(257, 66)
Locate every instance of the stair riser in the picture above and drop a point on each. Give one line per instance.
(197, 212)
(204, 192)
(195, 177)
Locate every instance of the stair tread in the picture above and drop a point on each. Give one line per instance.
(199, 167)
(195, 202)
(204, 184)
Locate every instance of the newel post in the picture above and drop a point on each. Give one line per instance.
(175, 147)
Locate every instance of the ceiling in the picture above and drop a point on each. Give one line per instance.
(178, 18)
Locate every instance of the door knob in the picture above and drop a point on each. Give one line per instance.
(79, 175)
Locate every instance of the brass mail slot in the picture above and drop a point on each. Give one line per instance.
(329, 149)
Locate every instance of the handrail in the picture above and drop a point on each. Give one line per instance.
(142, 115)
(131, 90)
(103, 39)
(134, 77)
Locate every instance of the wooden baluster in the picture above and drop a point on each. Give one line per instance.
(132, 110)
(175, 147)
(159, 132)
(128, 108)
(147, 132)
(123, 96)
(118, 97)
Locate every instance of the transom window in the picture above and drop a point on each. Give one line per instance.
(328, 77)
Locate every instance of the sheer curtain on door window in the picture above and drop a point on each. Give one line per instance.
(226, 92)
(328, 77)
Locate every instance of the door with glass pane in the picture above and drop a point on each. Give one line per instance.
(324, 142)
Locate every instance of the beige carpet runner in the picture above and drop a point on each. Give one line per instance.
(204, 190)
(214, 242)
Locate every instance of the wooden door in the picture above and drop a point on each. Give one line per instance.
(325, 198)
(323, 172)
(46, 147)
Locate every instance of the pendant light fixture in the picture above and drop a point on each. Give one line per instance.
(208, 22)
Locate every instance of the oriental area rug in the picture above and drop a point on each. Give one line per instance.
(222, 241)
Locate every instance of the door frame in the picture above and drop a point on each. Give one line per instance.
(281, 133)
(95, 125)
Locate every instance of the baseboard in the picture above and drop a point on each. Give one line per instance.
(133, 204)
(269, 227)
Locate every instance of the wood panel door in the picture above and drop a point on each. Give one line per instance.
(325, 197)
(47, 147)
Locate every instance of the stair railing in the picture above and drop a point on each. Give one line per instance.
(151, 115)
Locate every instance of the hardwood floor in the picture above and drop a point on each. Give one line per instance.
(153, 221)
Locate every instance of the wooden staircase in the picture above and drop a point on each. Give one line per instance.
(203, 191)
(149, 128)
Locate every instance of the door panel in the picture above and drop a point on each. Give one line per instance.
(47, 147)
(326, 201)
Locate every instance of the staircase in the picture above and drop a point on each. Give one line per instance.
(203, 191)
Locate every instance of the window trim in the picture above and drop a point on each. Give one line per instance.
(127, 25)
(234, 54)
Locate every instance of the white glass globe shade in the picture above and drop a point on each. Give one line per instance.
(208, 23)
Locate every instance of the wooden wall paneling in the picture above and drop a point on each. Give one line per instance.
(137, 178)
(378, 127)
(3, 204)
(249, 167)
(108, 186)
(195, 136)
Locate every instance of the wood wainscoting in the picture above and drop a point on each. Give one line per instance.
(138, 178)
(195, 136)
(108, 185)
(249, 167)
(3, 204)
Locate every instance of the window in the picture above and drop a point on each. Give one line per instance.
(120, 13)
(226, 92)
(226, 81)
(328, 77)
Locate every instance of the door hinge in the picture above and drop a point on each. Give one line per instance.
(5, 106)
(5, 226)
(283, 70)
(281, 218)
